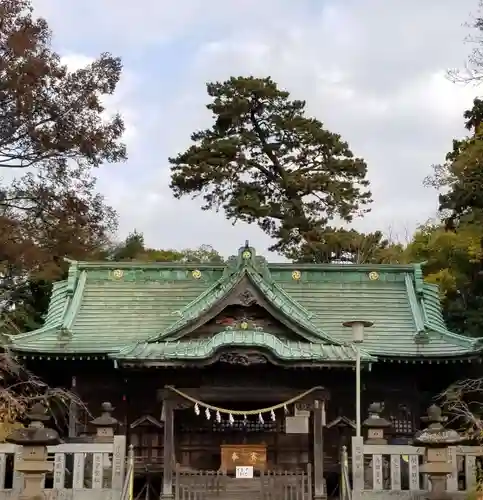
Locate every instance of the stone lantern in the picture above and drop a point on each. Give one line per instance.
(376, 425)
(105, 424)
(436, 439)
(34, 441)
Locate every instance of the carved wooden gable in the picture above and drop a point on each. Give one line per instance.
(245, 308)
(240, 317)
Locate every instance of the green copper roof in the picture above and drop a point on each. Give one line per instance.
(294, 314)
(109, 307)
(205, 348)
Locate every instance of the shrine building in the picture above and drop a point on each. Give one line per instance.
(213, 366)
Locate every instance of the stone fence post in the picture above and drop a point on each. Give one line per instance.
(436, 439)
(34, 441)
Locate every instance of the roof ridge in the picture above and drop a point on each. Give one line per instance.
(414, 303)
(71, 310)
(78, 265)
(114, 264)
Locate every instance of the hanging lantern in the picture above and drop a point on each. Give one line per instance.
(245, 420)
(197, 409)
(285, 409)
(231, 420)
(260, 418)
(218, 417)
(272, 415)
(207, 414)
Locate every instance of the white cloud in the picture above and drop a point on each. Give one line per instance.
(76, 61)
(372, 70)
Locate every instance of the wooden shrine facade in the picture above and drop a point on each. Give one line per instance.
(174, 401)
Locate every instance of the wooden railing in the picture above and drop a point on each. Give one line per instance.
(265, 485)
(380, 469)
(81, 471)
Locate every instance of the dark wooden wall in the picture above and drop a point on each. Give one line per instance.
(405, 388)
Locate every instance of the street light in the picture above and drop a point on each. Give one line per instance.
(357, 327)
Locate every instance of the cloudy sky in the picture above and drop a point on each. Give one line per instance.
(371, 70)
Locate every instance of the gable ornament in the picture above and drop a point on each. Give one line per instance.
(196, 274)
(246, 298)
(117, 274)
(242, 359)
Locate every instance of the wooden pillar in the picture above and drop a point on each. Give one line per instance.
(73, 413)
(319, 490)
(168, 450)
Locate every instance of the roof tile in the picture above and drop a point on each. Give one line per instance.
(105, 311)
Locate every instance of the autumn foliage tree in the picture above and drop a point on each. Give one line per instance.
(264, 161)
(51, 116)
(53, 131)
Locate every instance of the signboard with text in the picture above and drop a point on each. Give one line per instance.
(244, 472)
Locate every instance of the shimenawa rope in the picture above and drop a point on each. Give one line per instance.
(241, 412)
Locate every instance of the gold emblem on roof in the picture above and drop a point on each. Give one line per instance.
(246, 254)
(117, 274)
(296, 275)
(373, 276)
(196, 274)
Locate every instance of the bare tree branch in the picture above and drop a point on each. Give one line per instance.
(19, 389)
(463, 403)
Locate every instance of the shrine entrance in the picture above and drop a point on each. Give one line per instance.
(212, 441)
(263, 443)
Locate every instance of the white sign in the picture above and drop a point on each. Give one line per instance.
(244, 472)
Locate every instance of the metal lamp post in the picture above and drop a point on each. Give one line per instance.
(357, 327)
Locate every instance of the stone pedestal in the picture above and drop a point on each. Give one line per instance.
(34, 441)
(436, 439)
(105, 424)
(376, 425)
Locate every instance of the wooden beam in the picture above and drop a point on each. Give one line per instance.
(262, 394)
(141, 364)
